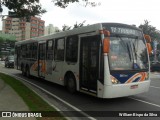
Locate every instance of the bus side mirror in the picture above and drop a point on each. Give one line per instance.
(147, 38)
(106, 45)
(149, 48)
(107, 33)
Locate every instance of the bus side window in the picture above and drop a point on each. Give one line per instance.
(72, 49)
(28, 51)
(49, 53)
(59, 49)
(24, 50)
(34, 51)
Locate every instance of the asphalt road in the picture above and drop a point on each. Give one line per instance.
(99, 108)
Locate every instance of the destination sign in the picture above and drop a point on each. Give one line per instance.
(128, 31)
(122, 30)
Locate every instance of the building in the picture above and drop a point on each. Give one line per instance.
(23, 28)
(7, 42)
(50, 29)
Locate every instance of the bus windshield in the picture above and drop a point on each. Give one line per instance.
(127, 53)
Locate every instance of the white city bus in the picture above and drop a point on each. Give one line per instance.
(106, 60)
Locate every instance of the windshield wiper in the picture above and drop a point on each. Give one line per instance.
(135, 45)
(129, 52)
(125, 46)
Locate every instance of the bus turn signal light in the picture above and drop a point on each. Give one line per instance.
(106, 45)
(105, 32)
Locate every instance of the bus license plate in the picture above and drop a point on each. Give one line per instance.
(134, 86)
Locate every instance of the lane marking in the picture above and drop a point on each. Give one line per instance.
(73, 107)
(155, 87)
(50, 104)
(145, 102)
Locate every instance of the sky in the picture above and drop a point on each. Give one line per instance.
(132, 12)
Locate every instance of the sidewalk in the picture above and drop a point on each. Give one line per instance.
(10, 101)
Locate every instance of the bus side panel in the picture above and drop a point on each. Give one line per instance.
(34, 68)
(100, 89)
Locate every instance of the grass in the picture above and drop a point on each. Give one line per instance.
(32, 100)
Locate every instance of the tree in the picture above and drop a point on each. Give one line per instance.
(150, 30)
(1, 40)
(65, 27)
(64, 3)
(25, 8)
(155, 35)
(79, 25)
(76, 25)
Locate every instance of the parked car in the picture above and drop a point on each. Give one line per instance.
(155, 66)
(9, 61)
(3, 58)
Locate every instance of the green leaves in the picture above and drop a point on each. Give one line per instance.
(150, 30)
(65, 3)
(23, 8)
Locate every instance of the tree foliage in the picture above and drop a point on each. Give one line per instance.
(65, 3)
(1, 40)
(79, 25)
(150, 30)
(155, 35)
(76, 25)
(65, 27)
(25, 8)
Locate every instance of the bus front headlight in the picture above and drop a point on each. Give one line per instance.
(114, 80)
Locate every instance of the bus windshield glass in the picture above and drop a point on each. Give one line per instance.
(128, 53)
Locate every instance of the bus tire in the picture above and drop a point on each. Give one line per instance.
(27, 72)
(23, 71)
(71, 83)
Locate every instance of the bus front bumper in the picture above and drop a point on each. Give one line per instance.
(122, 90)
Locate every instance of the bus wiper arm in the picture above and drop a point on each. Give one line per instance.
(135, 45)
(129, 52)
(125, 47)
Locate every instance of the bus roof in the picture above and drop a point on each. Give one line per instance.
(74, 31)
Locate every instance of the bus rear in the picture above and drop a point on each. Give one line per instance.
(126, 63)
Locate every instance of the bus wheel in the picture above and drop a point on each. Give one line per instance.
(71, 84)
(23, 71)
(27, 72)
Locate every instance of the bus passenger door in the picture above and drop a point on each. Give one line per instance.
(17, 58)
(41, 60)
(89, 62)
